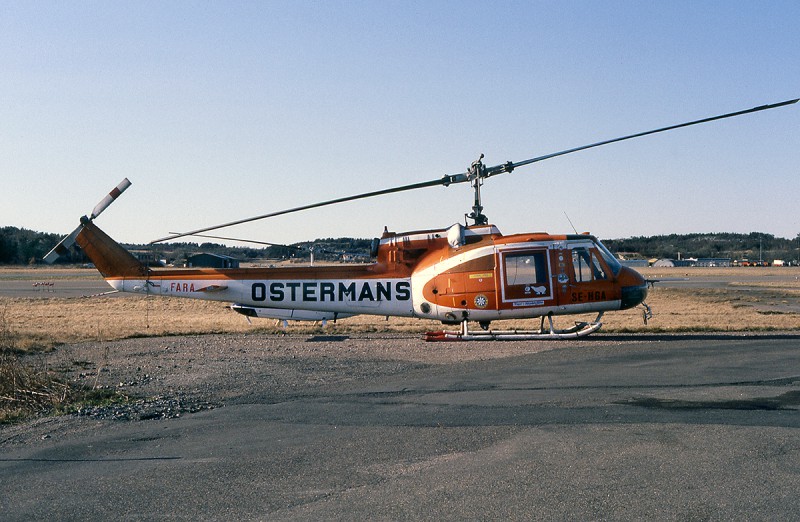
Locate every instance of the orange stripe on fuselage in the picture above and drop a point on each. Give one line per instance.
(240, 274)
(398, 257)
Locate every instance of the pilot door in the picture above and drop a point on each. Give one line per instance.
(591, 280)
(525, 277)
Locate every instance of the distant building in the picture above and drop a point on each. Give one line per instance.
(211, 261)
(632, 259)
(670, 263)
(635, 263)
(714, 261)
(147, 258)
(701, 262)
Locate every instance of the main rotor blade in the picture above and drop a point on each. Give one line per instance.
(235, 239)
(464, 177)
(432, 183)
(295, 247)
(505, 167)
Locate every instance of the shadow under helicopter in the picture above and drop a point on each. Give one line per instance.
(784, 401)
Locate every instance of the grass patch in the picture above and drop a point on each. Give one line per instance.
(28, 387)
(94, 398)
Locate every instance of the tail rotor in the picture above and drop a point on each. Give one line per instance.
(65, 244)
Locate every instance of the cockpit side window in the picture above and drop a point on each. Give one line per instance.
(587, 266)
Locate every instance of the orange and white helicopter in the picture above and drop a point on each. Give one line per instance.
(456, 275)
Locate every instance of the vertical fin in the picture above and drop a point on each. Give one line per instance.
(110, 258)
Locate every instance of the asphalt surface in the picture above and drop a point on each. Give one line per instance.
(44, 283)
(692, 427)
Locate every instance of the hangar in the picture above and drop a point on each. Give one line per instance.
(205, 260)
(703, 261)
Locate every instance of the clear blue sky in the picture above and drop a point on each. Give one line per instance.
(219, 111)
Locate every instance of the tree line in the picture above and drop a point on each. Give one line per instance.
(753, 246)
(19, 246)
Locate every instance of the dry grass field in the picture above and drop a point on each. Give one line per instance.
(36, 319)
(705, 299)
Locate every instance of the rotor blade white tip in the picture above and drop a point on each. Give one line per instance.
(106, 201)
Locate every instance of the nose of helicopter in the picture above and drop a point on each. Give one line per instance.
(634, 288)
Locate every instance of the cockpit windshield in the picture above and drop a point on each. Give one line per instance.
(612, 262)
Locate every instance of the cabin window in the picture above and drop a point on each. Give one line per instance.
(526, 276)
(587, 266)
(526, 269)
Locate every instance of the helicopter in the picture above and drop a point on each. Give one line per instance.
(458, 275)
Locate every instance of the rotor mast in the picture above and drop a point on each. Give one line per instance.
(476, 173)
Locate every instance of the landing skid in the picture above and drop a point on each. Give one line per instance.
(579, 330)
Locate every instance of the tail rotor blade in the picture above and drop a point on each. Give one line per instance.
(62, 248)
(106, 201)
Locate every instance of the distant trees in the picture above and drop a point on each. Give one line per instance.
(753, 246)
(21, 247)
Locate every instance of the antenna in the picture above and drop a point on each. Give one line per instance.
(570, 222)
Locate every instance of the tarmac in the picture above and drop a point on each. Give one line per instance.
(681, 427)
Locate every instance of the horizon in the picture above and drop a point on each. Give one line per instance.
(321, 239)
